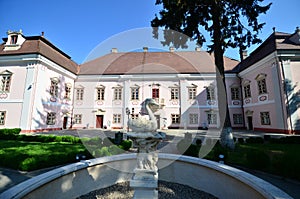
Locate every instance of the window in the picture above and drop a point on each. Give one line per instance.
(247, 91)
(212, 118)
(134, 116)
(78, 118)
(193, 118)
(210, 93)
(79, 93)
(14, 39)
(5, 81)
(235, 93)
(135, 93)
(100, 93)
(262, 87)
(174, 93)
(118, 93)
(192, 93)
(237, 119)
(54, 87)
(2, 117)
(175, 118)
(51, 118)
(265, 118)
(68, 91)
(116, 118)
(155, 93)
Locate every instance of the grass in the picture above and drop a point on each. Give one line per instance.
(28, 156)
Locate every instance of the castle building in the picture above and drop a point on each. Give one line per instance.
(41, 88)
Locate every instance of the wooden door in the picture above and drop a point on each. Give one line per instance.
(65, 122)
(99, 121)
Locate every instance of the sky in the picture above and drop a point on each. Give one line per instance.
(90, 28)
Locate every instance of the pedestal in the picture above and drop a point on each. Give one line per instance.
(145, 179)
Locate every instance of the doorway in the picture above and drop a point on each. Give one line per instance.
(65, 122)
(99, 121)
(250, 123)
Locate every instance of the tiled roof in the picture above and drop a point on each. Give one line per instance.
(275, 42)
(154, 63)
(40, 45)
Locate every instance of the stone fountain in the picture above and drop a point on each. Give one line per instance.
(145, 138)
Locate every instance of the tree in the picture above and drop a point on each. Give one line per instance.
(231, 23)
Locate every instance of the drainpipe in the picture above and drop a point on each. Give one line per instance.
(242, 100)
(286, 95)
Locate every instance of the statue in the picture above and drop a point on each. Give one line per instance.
(146, 138)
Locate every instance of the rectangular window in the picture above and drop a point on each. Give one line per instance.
(262, 87)
(68, 91)
(135, 93)
(2, 117)
(54, 87)
(192, 93)
(100, 94)
(210, 93)
(5, 82)
(51, 118)
(134, 116)
(247, 91)
(265, 118)
(212, 118)
(235, 93)
(116, 118)
(193, 118)
(14, 39)
(175, 118)
(237, 119)
(78, 118)
(155, 93)
(79, 93)
(174, 93)
(117, 93)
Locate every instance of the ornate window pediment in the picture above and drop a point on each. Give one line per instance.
(260, 76)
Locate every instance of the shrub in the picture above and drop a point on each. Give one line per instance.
(198, 142)
(257, 159)
(255, 140)
(108, 141)
(241, 140)
(126, 145)
(192, 150)
(9, 134)
(102, 152)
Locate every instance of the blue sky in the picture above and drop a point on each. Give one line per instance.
(78, 27)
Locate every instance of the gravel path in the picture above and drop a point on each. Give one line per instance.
(166, 190)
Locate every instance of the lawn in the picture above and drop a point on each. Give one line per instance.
(27, 156)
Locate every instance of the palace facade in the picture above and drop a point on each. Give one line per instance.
(41, 88)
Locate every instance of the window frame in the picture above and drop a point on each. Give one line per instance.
(192, 92)
(174, 93)
(212, 118)
(265, 118)
(247, 91)
(51, 118)
(2, 117)
(54, 87)
(210, 93)
(237, 118)
(79, 93)
(6, 77)
(193, 118)
(116, 118)
(118, 91)
(68, 90)
(100, 93)
(135, 93)
(175, 118)
(78, 118)
(235, 93)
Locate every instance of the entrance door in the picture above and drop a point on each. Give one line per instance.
(250, 123)
(99, 121)
(65, 122)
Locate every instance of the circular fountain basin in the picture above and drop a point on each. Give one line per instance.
(80, 178)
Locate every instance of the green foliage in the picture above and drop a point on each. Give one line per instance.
(193, 150)
(258, 159)
(126, 145)
(183, 145)
(286, 140)
(8, 134)
(255, 140)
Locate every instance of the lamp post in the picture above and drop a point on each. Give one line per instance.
(127, 113)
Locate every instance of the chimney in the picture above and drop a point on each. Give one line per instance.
(245, 54)
(114, 50)
(198, 49)
(172, 49)
(43, 33)
(145, 49)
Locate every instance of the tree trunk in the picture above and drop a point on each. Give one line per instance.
(224, 117)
